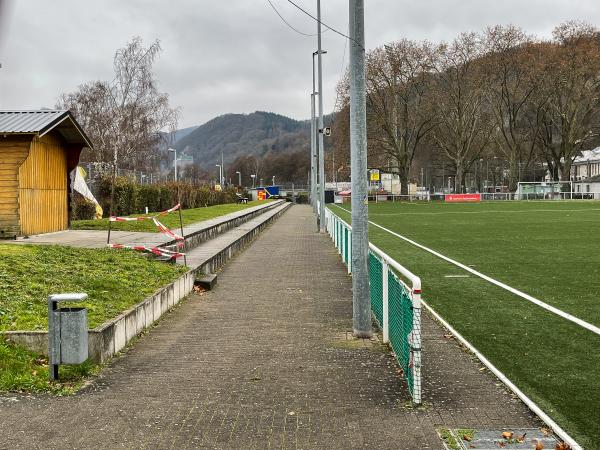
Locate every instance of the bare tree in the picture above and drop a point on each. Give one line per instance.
(567, 108)
(510, 68)
(464, 125)
(124, 116)
(400, 115)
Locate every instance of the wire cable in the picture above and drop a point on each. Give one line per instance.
(287, 23)
(325, 25)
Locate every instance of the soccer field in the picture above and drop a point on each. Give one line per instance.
(549, 250)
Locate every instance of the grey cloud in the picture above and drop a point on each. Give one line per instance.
(232, 55)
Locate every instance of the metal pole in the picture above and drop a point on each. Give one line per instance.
(361, 303)
(313, 144)
(175, 164)
(321, 149)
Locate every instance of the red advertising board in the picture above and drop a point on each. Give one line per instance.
(462, 198)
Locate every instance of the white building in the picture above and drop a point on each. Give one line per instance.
(587, 165)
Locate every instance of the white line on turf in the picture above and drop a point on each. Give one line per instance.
(498, 211)
(504, 379)
(552, 309)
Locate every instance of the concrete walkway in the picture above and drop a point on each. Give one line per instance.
(262, 362)
(97, 238)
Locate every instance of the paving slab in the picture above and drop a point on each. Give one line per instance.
(263, 361)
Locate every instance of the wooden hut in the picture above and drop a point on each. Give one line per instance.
(38, 150)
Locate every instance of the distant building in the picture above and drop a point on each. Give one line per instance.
(38, 151)
(587, 165)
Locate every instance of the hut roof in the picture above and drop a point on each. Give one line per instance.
(40, 122)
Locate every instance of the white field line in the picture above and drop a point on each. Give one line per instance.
(530, 403)
(499, 211)
(558, 312)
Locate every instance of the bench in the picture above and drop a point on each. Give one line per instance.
(241, 199)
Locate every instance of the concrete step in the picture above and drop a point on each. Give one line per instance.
(209, 256)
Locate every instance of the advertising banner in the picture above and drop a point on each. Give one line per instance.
(449, 198)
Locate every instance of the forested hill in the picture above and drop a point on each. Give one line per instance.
(257, 134)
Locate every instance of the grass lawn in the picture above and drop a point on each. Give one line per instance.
(114, 280)
(25, 371)
(171, 220)
(546, 249)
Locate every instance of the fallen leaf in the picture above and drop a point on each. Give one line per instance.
(562, 446)
(546, 431)
(501, 444)
(507, 435)
(521, 439)
(467, 438)
(539, 446)
(34, 373)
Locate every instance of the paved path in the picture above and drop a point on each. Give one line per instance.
(260, 362)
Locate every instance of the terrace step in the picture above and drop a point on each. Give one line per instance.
(211, 255)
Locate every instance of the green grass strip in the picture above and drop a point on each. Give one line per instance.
(189, 216)
(115, 280)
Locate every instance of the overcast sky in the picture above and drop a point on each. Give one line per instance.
(229, 56)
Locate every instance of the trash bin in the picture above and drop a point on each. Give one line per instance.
(67, 332)
(73, 335)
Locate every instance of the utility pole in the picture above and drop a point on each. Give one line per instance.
(222, 171)
(313, 142)
(361, 302)
(321, 149)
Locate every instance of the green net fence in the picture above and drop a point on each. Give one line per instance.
(403, 313)
(401, 324)
(376, 286)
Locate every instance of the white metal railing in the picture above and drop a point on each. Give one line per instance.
(406, 343)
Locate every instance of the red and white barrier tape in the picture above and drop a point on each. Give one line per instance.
(163, 229)
(132, 219)
(166, 231)
(158, 251)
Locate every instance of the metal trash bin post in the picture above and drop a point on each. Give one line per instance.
(67, 332)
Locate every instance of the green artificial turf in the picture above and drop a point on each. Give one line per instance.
(546, 249)
(171, 220)
(114, 280)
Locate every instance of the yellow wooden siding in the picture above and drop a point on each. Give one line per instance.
(43, 204)
(12, 154)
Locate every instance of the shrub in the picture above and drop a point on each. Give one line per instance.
(83, 209)
(132, 198)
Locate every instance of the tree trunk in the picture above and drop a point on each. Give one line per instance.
(513, 174)
(403, 174)
(459, 180)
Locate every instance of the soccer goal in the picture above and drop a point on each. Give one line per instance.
(545, 190)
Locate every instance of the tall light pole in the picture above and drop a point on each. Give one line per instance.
(321, 149)
(174, 161)
(313, 139)
(220, 174)
(239, 177)
(361, 303)
(253, 176)
(273, 183)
